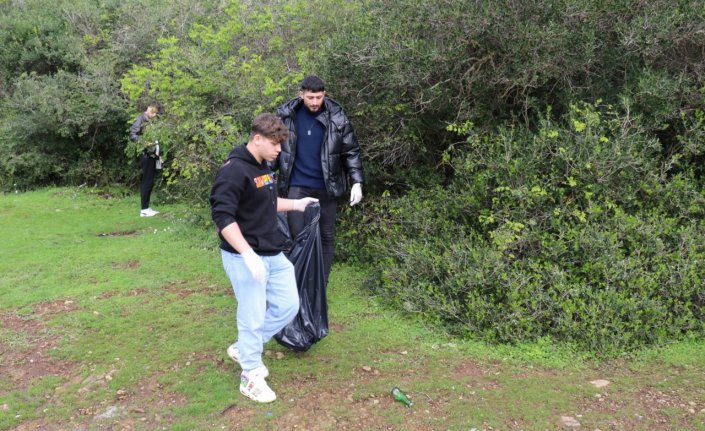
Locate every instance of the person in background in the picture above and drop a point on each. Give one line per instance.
(148, 159)
(244, 206)
(316, 159)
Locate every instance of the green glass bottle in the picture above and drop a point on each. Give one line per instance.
(400, 396)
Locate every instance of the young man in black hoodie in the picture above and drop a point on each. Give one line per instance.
(244, 207)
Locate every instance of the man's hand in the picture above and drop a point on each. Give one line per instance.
(255, 265)
(355, 194)
(301, 204)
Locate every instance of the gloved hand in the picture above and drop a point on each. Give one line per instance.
(301, 204)
(255, 265)
(355, 194)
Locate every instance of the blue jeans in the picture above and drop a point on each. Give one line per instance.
(263, 309)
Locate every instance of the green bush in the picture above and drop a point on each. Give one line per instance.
(573, 232)
(246, 59)
(408, 68)
(63, 118)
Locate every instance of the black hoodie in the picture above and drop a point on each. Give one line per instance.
(244, 191)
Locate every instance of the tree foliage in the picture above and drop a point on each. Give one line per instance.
(246, 59)
(408, 69)
(62, 115)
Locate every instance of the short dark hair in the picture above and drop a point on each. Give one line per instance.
(270, 126)
(312, 83)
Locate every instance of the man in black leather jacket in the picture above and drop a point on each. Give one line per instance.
(317, 159)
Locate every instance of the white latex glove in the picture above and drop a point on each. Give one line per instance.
(355, 194)
(301, 204)
(255, 265)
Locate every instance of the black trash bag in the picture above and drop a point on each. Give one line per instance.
(306, 253)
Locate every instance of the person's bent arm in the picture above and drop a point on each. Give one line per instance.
(233, 235)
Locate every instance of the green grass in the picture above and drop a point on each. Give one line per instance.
(103, 309)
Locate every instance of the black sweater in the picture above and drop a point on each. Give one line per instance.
(244, 192)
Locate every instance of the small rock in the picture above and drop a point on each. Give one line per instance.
(366, 368)
(569, 421)
(600, 383)
(6, 407)
(111, 412)
(279, 355)
(404, 352)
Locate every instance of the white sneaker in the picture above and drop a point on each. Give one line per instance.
(234, 354)
(149, 212)
(254, 387)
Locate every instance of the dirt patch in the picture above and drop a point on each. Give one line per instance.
(469, 368)
(33, 324)
(142, 406)
(27, 366)
(26, 353)
(48, 309)
(337, 327)
(647, 409)
(38, 425)
(16, 323)
(119, 233)
(238, 417)
(311, 407)
(130, 264)
(184, 289)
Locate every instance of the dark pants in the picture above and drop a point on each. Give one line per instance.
(326, 222)
(149, 168)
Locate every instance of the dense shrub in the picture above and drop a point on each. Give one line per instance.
(574, 231)
(63, 118)
(408, 68)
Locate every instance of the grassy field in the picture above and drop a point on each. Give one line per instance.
(109, 321)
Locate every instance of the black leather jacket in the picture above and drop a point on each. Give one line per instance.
(340, 153)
